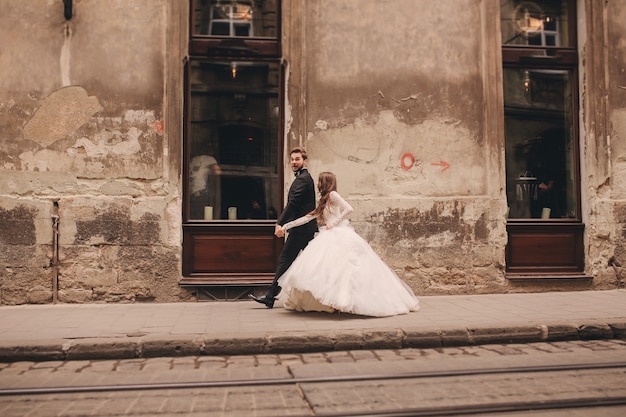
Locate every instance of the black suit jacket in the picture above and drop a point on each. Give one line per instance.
(300, 201)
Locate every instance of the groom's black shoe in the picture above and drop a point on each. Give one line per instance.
(268, 301)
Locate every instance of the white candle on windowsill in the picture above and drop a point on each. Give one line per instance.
(232, 213)
(208, 213)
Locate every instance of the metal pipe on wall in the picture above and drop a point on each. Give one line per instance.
(55, 252)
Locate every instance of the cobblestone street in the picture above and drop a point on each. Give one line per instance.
(240, 359)
(304, 398)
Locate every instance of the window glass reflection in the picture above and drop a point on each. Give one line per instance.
(235, 18)
(233, 140)
(535, 23)
(540, 164)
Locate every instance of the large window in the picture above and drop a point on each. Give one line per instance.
(233, 111)
(540, 78)
(540, 145)
(233, 142)
(540, 102)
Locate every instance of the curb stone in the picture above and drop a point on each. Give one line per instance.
(194, 345)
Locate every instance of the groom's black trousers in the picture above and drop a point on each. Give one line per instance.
(293, 245)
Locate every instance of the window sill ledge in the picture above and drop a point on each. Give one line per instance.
(548, 277)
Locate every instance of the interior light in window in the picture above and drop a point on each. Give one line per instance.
(526, 81)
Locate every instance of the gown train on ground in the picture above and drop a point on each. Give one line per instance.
(339, 271)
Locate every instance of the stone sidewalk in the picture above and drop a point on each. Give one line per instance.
(124, 331)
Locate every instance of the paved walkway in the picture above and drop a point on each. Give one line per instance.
(122, 331)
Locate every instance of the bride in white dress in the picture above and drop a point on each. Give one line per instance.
(338, 270)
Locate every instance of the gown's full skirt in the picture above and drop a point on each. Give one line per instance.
(339, 271)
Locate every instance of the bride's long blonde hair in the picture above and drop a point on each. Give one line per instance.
(327, 182)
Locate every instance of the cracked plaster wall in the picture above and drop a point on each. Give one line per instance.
(604, 155)
(398, 116)
(392, 99)
(81, 122)
(397, 111)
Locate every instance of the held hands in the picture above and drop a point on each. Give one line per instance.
(279, 231)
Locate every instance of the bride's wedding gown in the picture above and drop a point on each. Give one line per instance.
(339, 271)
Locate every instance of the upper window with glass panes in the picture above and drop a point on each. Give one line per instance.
(235, 18)
(538, 23)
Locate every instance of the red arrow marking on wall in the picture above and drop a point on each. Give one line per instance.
(443, 164)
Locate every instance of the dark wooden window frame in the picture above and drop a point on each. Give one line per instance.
(229, 253)
(548, 249)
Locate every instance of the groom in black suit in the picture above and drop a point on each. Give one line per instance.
(300, 201)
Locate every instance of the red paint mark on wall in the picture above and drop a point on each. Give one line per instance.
(159, 126)
(443, 164)
(407, 160)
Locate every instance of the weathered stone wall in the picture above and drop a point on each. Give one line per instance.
(604, 158)
(395, 106)
(396, 99)
(401, 99)
(83, 154)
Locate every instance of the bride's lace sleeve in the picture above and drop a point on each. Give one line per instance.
(344, 211)
(299, 221)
